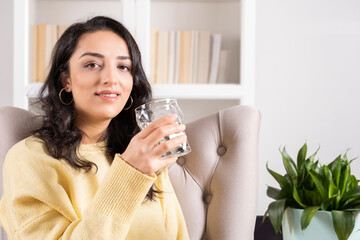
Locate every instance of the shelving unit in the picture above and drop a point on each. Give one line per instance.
(234, 19)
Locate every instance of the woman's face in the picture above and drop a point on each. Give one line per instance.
(100, 76)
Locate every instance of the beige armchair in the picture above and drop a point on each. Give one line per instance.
(216, 183)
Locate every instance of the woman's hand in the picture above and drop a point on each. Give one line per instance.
(144, 154)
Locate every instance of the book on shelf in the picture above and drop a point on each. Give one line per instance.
(154, 34)
(194, 56)
(171, 60)
(177, 57)
(185, 57)
(41, 55)
(223, 66)
(50, 40)
(34, 54)
(61, 29)
(44, 38)
(163, 57)
(204, 57)
(215, 57)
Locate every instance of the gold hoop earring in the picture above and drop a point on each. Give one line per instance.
(66, 104)
(131, 103)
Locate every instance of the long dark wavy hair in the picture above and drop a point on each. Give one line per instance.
(58, 130)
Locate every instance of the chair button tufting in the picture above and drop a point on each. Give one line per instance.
(181, 161)
(221, 150)
(208, 199)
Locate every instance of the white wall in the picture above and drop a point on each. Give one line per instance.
(307, 81)
(6, 50)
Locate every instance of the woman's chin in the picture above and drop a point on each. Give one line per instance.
(109, 114)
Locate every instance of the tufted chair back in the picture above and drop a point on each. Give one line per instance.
(216, 183)
(15, 125)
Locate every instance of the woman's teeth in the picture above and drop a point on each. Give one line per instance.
(108, 95)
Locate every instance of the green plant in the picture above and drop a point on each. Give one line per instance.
(311, 186)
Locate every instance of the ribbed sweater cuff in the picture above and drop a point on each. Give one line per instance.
(123, 190)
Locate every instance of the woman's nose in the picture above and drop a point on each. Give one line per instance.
(109, 76)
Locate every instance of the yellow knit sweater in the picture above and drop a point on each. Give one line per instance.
(45, 198)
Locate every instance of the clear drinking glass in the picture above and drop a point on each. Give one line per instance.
(151, 111)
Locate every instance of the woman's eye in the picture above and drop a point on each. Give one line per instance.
(92, 65)
(124, 68)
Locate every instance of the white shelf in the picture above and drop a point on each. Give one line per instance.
(151, 0)
(78, 0)
(197, 91)
(178, 91)
(222, 1)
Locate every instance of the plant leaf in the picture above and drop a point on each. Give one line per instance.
(328, 203)
(343, 223)
(298, 198)
(352, 183)
(287, 193)
(308, 183)
(344, 179)
(349, 204)
(273, 193)
(335, 167)
(307, 215)
(264, 217)
(290, 166)
(354, 192)
(333, 190)
(301, 156)
(328, 176)
(275, 211)
(312, 197)
(333, 164)
(351, 210)
(352, 160)
(280, 179)
(315, 166)
(318, 183)
(312, 157)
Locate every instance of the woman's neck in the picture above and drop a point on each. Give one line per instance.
(92, 132)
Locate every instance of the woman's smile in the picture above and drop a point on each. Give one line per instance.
(108, 95)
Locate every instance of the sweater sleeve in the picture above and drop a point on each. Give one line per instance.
(36, 203)
(177, 218)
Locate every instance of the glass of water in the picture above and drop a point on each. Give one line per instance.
(151, 111)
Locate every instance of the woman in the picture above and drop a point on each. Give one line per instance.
(68, 180)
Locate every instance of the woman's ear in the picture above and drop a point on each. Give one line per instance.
(66, 82)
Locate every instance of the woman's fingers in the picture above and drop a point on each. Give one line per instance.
(166, 120)
(146, 148)
(168, 145)
(162, 132)
(165, 162)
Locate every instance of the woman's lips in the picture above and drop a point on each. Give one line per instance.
(108, 95)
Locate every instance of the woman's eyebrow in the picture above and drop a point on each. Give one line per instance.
(102, 56)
